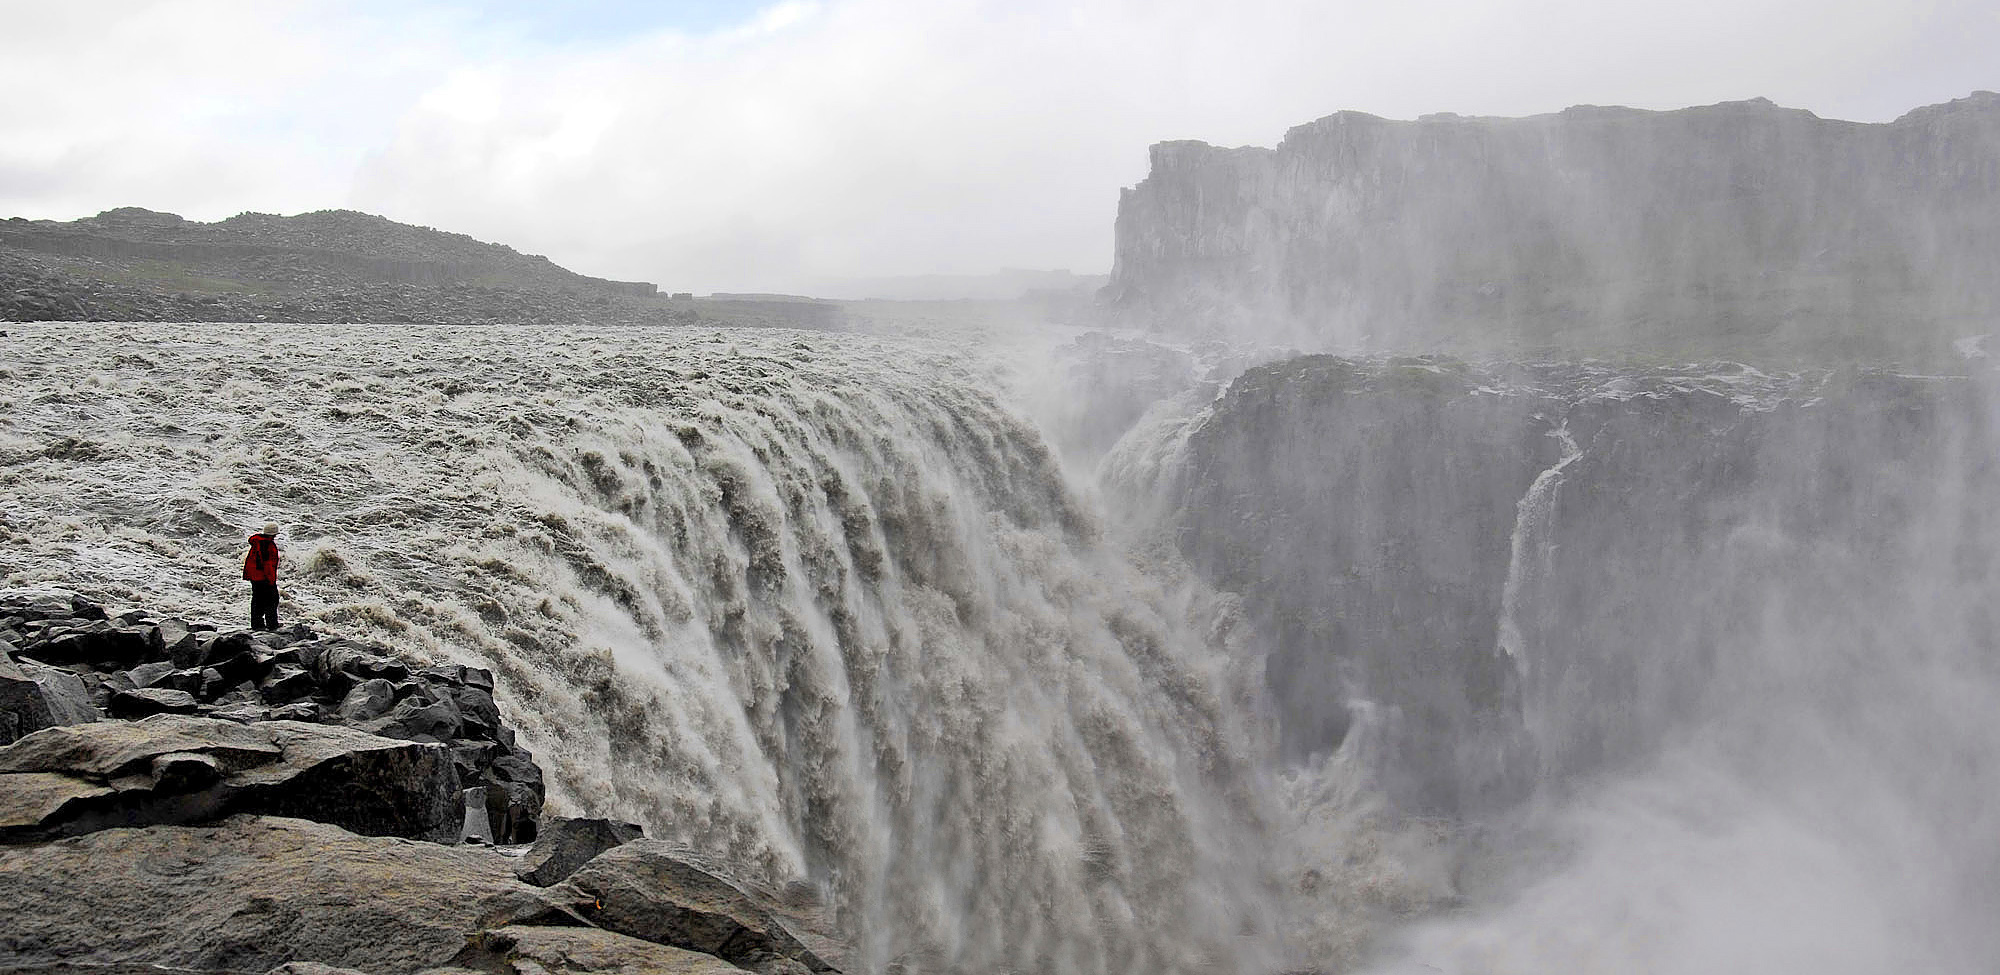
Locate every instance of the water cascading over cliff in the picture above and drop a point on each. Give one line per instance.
(815, 605)
(1700, 664)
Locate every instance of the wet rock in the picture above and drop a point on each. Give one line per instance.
(251, 893)
(144, 701)
(368, 699)
(565, 845)
(179, 643)
(417, 718)
(101, 642)
(183, 680)
(653, 891)
(227, 646)
(286, 683)
(68, 781)
(146, 675)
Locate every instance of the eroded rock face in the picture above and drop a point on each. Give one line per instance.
(1741, 220)
(179, 769)
(1499, 576)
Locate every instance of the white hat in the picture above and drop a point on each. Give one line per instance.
(270, 528)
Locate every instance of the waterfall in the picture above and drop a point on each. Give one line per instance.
(816, 605)
(1531, 554)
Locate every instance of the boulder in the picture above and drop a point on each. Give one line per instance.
(179, 643)
(369, 699)
(657, 892)
(250, 893)
(69, 781)
(149, 674)
(143, 701)
(286, 683)
(526, 950)
(417, 718)
(33, 697)
(564, 845)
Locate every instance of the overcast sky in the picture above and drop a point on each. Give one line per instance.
(713, 145)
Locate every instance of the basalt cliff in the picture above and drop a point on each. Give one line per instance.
(1734, 229)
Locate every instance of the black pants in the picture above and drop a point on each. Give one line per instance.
(263, 605)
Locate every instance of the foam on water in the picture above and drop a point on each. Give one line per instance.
(814, 604)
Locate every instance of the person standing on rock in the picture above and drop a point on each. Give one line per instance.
(261, 568)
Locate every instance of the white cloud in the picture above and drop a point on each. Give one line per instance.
(851, 137)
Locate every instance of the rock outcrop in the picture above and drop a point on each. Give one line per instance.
(300, 821)
(1729, 229)
(172, 769)
(68, 662)
(268, 894)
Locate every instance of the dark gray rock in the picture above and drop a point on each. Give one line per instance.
(367, 700)
(417, 718)
(145, 701)
(537, 950)
(250, 893)
(64, 697)
(179, 643)
(298, 711)
(312, 968)
(68, 781)
(148, 674)
(286, 683)
(565, 845)
(101, 642)
(656, 892)
(24, 705)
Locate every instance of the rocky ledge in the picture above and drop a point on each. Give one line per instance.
(178, 798)
(66, 663)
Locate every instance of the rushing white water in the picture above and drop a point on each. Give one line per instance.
(1531, 554)
(814, 604)
(824, 607)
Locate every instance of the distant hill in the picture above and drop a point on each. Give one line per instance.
(328, 266)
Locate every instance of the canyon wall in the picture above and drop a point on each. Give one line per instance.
(1730, 228)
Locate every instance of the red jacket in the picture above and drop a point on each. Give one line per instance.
(261, 565)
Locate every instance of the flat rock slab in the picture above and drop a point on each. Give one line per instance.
(252, 893)
(179, 769)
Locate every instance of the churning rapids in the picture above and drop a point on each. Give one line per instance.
(1397, 665)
